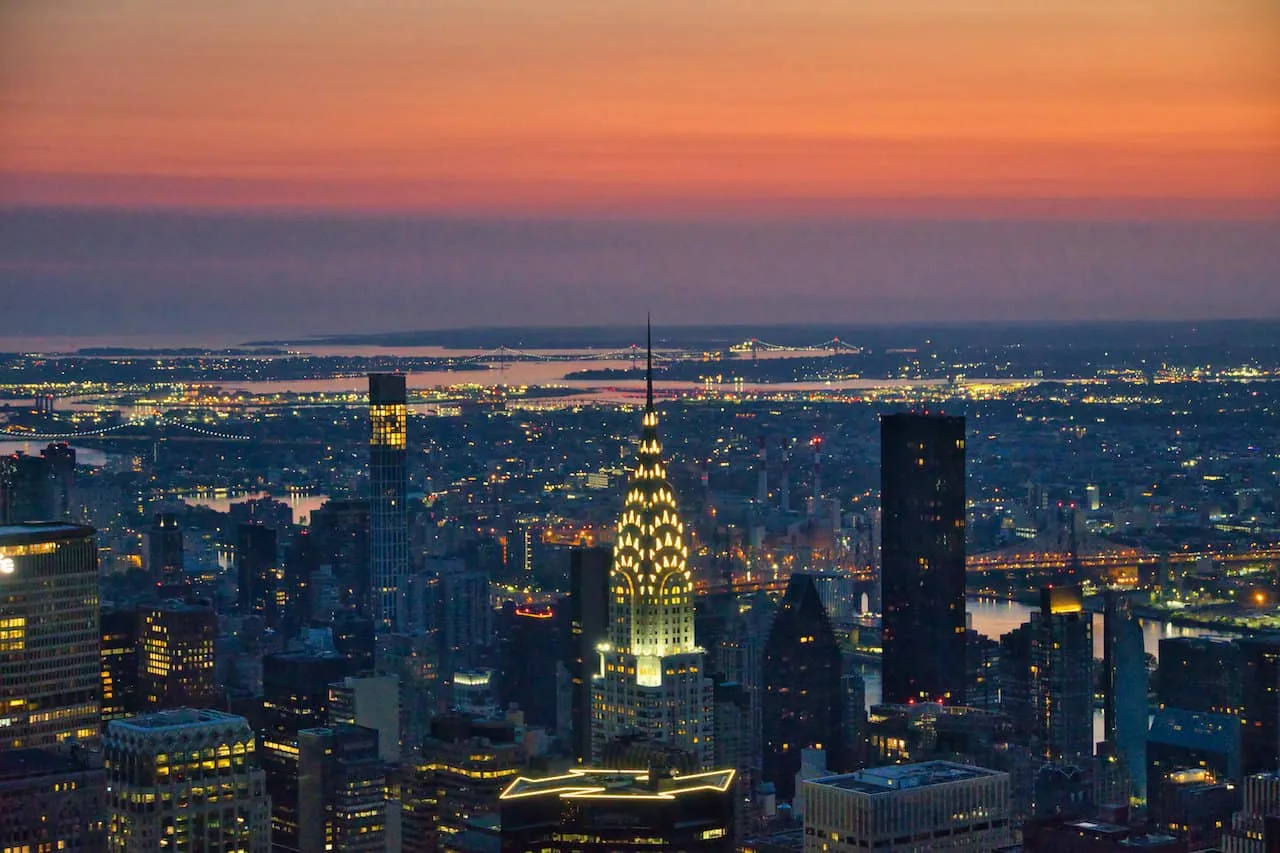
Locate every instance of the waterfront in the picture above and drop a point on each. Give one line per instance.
(84, 455)
(302, 503)
(992, 617)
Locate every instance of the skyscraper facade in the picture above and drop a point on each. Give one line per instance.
(119, 663)
(923, 557)
(388, 487)
(175, 667)
(1201, 674)
(50, 659)
(1063, 674)
(51, 801)
(530, 649)
(295, 696)
(651, 681)
(341, 532)
(185, 780)
(342, 806)
(1260, 695)
(452, 785)
(1047, 678)
(164, 550)
(588, 628)
(60, 458)
(259, 571)
(1124, 669)
(804, 699)
(26, 489)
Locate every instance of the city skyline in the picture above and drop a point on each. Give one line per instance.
(345, 504)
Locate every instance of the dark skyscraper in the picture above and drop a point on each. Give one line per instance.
(119, 663)
(804, 703)
(302, 560)
(388, 490)
(1047, 677)
(588, 627)
(1063, 675)
(530, 645)
(1260, 692)
(257, 561)
(164, 550)
(26, 489)
(341, 532)
(922, 473)
(60, 458)
(1200, 674)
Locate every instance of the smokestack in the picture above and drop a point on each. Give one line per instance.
(762, 476)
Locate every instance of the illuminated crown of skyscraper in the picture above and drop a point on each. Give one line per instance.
(652, 608)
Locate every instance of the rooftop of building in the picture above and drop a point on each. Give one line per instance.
(177, 605)
(621, 784)
(1195, 730)
(176, 718)
(776, 842)
(18, 765)
(32, 532)
(1098, 827)
(884, 780)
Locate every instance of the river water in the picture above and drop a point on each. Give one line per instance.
(302, 503)
(992, 617)
(84, 455)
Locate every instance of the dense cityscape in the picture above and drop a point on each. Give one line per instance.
(688, 588)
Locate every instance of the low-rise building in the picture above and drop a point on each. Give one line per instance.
(936, 805)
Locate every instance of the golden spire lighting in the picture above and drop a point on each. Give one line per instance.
(652, 601)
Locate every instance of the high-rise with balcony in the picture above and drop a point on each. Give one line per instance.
(651, 682)
(50, 659)
(388, 492)
(922, 491)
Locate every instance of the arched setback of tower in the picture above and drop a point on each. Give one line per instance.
(651, 678)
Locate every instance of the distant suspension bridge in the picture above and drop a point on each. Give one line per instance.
(137, 423)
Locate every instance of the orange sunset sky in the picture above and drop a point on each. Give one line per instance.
(978, 106)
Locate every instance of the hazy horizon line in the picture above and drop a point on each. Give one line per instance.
(786, 211)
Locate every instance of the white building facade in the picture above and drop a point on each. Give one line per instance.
(936, 805)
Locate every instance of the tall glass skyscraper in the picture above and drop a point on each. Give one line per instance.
(922, 565)
(50, 659)
(388, 504)
(651, 681)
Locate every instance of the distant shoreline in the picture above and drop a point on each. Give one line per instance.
(1042, 333)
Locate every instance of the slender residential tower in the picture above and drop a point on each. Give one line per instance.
(651, 682)
(388, 504)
